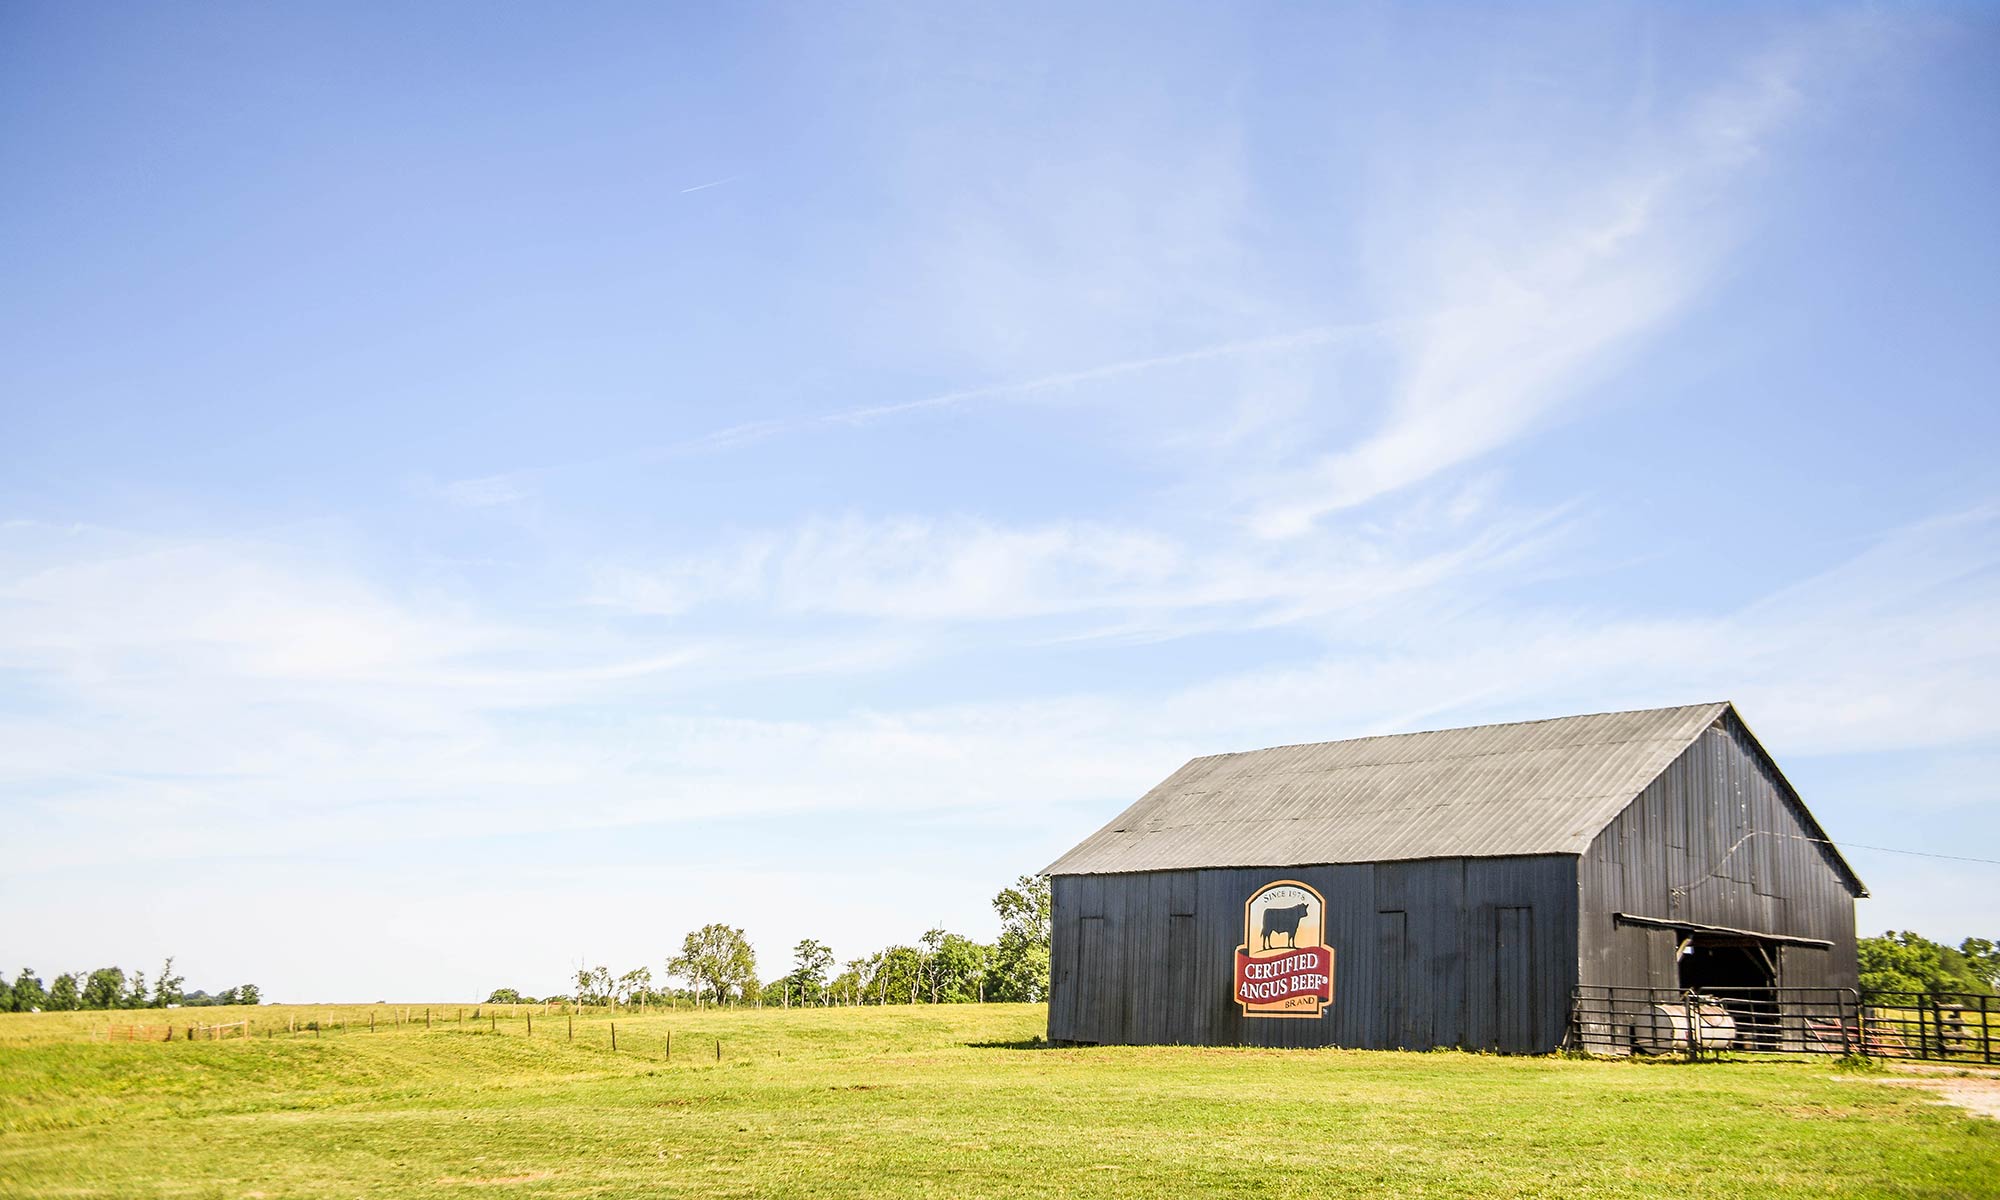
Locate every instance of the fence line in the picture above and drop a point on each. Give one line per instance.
(1941, 1026)
(168, 1033)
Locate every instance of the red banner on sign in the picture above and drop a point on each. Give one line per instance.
(1284, 974)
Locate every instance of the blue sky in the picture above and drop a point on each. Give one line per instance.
(487, 488)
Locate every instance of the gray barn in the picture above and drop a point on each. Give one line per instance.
(1446, 889)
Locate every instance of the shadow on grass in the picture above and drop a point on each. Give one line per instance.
(1034, 1043)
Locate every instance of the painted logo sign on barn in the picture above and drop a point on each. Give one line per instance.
(1284, 968)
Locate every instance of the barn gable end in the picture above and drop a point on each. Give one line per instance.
(1719, 839)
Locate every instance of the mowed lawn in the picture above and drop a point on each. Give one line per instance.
(949, 1101)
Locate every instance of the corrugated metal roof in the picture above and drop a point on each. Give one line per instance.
(1533, 787)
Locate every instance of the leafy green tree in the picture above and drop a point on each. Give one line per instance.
(168, 988)
(247, 993)
(28, 995)
(64, 994)
(807, 984)
(593, 985)
(1907, 962)
(506, 996)
(1982, 957)
(1020, 965)
(105, 988)
(136, 996)
(636, 986)
(716, 959)
(956, 968)
(851, 985)
(899, 975)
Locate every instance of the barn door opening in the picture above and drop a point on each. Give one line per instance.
(1717, 965)
(1739, 971)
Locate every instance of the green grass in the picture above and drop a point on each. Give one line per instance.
(950, 1101)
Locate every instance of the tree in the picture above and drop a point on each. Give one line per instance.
(507, 996)
(957, 969)
(247, 993)
(898, 975)
(636, 986)
(105, 988)
(852, 985)
(1906, 962)
(716, 958)
(167, 989)
(593, 985)
(64, 994)
(137, 996)
(1020, 964)
(811, 960)
(1982, 957)
(28, 995)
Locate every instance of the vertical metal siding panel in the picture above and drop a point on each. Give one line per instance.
(1444, 965)
(1216, 918)
(1062, 958)
(1391, 895)
(1501, 1010)
(1392, 978)
(1350, 904)
(1128, 899)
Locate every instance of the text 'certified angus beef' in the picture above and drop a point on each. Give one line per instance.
(1296, 978)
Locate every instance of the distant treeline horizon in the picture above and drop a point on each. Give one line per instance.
(110, 988)
(718, 966)
(716, 963)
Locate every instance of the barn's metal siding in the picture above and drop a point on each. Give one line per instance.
(1148, 957)
(1719, 838)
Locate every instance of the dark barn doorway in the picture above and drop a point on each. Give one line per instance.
(1741, 972)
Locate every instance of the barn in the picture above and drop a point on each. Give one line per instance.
(1460, 887)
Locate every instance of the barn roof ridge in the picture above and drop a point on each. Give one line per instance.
(1718, 705)
(1539, 787)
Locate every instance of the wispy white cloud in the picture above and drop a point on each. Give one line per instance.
(1531, 289)
(916, 569)
(509, 486)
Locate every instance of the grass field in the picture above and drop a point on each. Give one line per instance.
(949, 1101)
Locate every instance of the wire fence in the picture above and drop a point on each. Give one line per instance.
(1937, 1026)
(168, 1033)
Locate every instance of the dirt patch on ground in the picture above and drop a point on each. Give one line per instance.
(1975, 1091)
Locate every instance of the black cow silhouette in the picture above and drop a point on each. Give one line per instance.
(1285, 921)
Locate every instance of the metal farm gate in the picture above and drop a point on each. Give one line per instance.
(1941, 1026)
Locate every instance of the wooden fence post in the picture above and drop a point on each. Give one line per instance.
(531, 1024)
(718, 1049)
(614, 1037)
(495, 1019)
(572, 1027)
(427, 1018)
(670, 1045)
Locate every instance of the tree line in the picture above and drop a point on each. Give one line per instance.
(716, 965)
(109, 987)
(1906, 962)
